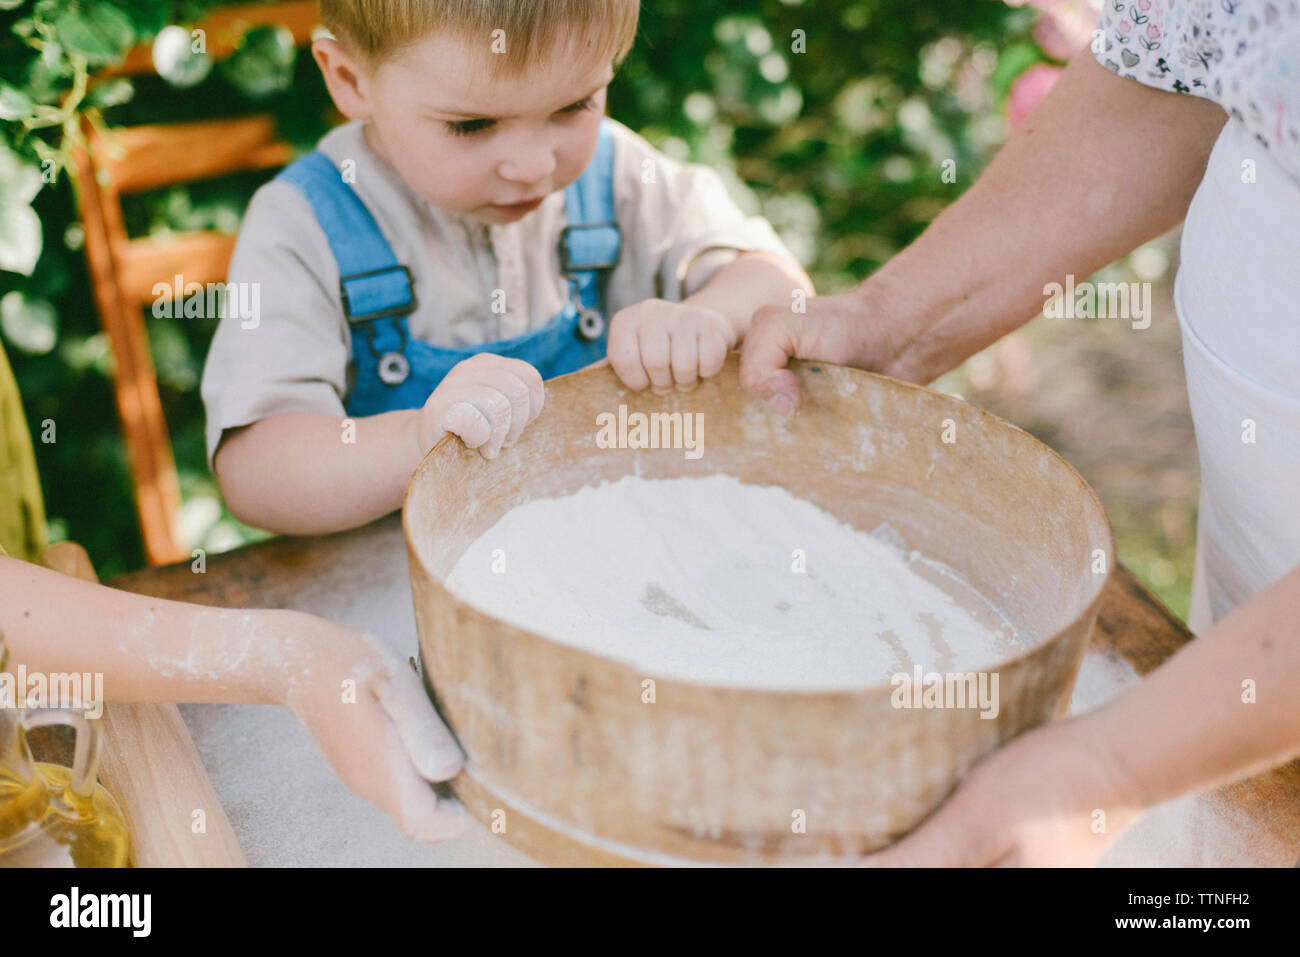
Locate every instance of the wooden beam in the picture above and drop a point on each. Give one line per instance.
(141, 158)
(197, 257)
(135, 386)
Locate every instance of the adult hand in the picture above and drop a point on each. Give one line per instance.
(980, 269)
(1054, 796)
(851, 329)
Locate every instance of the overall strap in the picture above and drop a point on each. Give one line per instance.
(591, 242)
(372, 283)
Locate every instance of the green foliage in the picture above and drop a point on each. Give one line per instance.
(833, 118)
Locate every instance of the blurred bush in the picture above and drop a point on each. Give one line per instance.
(849, 123)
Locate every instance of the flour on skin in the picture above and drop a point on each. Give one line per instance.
(716, 581)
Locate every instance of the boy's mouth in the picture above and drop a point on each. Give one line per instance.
(519, 209)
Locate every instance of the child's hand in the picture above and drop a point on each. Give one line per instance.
(663, 345)
(373, 721)
(487, 400)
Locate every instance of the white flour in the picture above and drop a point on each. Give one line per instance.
(712, 580)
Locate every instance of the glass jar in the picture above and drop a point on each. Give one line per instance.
(52, 816)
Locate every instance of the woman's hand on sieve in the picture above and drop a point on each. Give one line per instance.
(852, 329)
(1052, 797)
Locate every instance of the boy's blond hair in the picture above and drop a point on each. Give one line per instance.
(530, 31)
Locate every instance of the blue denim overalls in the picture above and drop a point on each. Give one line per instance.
(395, 371)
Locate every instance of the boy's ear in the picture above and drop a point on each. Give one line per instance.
(345, 78)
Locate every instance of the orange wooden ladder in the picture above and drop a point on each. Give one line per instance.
(124, 270)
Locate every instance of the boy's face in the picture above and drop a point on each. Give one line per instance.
(489, 147)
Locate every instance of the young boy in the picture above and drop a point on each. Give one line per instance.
(479, 226)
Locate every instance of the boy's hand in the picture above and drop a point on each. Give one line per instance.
(666, 345)
(374, 723)
(487, 400)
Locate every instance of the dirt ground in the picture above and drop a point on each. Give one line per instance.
(1112, 400)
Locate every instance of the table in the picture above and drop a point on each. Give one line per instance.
(288, 808)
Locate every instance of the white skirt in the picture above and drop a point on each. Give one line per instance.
(1237, 294)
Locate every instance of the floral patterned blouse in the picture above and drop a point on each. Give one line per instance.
(1242, 54)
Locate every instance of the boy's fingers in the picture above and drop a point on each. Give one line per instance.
(536, 393)
(656, 356)
(533, 384)
(713, 353)
(685, 357)
(499, 413)
(520, 398)
(464, 419)
(624, 354)
(481, 418)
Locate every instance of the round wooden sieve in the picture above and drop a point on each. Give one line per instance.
(566, 758)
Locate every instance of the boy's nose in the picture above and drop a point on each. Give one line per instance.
(527, 168)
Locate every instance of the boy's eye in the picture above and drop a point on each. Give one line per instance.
(469, 127)
(466, 127)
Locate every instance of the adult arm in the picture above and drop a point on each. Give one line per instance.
(1191, 725)
(1101, 166)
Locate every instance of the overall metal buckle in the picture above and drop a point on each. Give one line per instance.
(569, 268)
(394, 367)
(591, 322)
(401, 310)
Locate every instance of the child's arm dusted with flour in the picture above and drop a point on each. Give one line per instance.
(387, 743)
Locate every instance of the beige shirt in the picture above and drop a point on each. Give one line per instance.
(293, 352)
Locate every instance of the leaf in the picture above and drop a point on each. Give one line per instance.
(14, 103)
(176, 60)
(1013, 60)
(53, 61)
(149, 16)
(30, 324)
(19, 180)
(20, 237)
(263, 64)
(110, 93)
(97, 30)
(20, 227)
